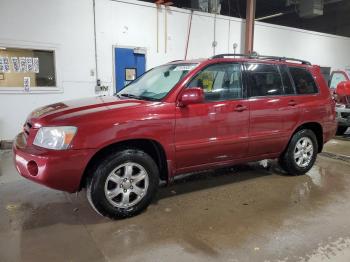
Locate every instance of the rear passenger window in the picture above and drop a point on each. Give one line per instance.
(219, 82)
(303, 81)
(264, 80)
(287, 82)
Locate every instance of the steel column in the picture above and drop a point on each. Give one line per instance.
(249, 27)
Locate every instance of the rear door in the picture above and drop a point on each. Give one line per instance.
(273, 108)
(217, 130)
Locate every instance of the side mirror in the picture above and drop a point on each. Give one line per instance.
(343, 89)
(191, 96)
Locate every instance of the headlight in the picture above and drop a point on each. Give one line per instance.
(56, 138)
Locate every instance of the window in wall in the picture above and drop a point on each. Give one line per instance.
(219, 82)
(303, 81)
(337, 77)
(264, 80)
(27, 68)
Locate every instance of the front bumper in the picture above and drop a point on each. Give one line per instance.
(343, 116)
(58, 169)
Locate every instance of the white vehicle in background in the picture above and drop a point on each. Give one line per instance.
(343, 102)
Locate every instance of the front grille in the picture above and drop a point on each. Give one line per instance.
(345, 114)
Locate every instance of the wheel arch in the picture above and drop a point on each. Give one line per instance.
(314, 127)
(150, 146)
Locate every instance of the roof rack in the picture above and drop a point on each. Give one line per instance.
(263, 57)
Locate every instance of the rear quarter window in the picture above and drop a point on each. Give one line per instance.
(303, 81)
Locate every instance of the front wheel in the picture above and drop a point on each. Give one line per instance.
(123, 184)
(300, 155)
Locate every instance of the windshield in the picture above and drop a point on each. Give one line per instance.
(156, 83)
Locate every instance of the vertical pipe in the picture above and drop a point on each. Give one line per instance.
(165, 29)
(214, 42)
(229, 36)
(95, 42)
(188, 34)
(157, 7)
(249, 27)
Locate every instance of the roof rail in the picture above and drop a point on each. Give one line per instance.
(263, 57)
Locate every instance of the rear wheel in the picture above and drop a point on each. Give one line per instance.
(123, 184)
(341, 130)
(300, 154)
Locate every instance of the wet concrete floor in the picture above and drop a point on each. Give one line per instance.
(243, 213)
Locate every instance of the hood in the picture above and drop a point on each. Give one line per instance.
(63, 111)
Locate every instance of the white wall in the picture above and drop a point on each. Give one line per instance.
(67, 26)
(133, 23)
(318, 48)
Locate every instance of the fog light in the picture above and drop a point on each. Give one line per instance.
(32, 168)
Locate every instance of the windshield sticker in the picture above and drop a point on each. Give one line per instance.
(184, 68)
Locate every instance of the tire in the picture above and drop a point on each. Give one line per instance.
(130, 177)
(341, 130)
(289, 160)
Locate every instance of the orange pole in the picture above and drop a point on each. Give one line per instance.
(249, 26)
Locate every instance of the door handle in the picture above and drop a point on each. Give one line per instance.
(240, 108)
(292, 103)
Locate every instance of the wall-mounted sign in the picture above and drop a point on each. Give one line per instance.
(22, 64)
(26, 84)
(36, 65)
(29, 64)
(1, 64)
(6, 64)
(15, 64)
(130, 74)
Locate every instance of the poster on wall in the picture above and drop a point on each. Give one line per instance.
(26, 83)
(36, 65)
(6, 62)
(29, 64)
(1, 64)
(22, 64)
(15, 64)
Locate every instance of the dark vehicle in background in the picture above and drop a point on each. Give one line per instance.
(343, 101)
(177, 118)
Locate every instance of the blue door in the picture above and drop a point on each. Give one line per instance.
(128, 66)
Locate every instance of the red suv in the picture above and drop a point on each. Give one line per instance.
(177, 118)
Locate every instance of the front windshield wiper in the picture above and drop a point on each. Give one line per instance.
(130, 96)
(138, 97)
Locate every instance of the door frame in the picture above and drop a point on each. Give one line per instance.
(114, 83)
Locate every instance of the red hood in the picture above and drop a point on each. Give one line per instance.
(72, 109)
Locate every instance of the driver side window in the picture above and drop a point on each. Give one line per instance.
(219, 82)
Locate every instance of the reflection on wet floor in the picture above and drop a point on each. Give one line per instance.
(250, 212)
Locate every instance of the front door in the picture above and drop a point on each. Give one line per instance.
(215, 131)
(129, 64)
